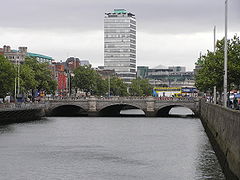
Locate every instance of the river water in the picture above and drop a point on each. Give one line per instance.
(124, 148)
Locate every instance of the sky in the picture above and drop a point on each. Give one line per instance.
(169, 32)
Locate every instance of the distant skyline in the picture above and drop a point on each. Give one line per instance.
(169, 33)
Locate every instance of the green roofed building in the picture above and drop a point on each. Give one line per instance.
(40, 57)
(18, 56)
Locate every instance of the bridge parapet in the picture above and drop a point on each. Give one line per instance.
(113, 98)
(22, 106)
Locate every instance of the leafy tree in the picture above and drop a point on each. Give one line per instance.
(28, 81)
(85, 79)
(7, 76)
(52, 86)
(140, 87)
(88, 80)
(212, 67)
(42, 75)
(101, 87)
(118, 87)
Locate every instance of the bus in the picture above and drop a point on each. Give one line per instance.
(174, 91)
(166, 91)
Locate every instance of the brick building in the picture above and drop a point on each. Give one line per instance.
(61, 77)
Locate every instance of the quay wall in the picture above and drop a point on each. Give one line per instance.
(20, 115)
(223, 128)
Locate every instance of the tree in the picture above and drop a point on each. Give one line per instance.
(140, 87)
(85, 79)
(212, 67)
(118, 87)
(88, 80)
(42, 75)
(101, 87)
(33, 75)
(28, 81)
(7, 76)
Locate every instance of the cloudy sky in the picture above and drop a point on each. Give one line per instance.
(169, 32)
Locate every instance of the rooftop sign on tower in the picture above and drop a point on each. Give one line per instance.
(120, 11)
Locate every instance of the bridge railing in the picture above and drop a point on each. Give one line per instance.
(176, 98)
(22, 106)
(117, 98)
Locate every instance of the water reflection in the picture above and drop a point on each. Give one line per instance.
(6, 129)
(175, 111)
(137, 112)
(207, 166)
(181, 111)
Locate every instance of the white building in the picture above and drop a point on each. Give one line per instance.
(120, 44)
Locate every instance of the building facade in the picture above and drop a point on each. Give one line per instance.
(106, 73)
(15, 56)
(177, 68)
(85, 63)
(120, 44)
(18, 56)
(71, 64)
(61, 77)
(173, 76)
(1, 51)
(142, 72)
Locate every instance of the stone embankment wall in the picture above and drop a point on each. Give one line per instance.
(20, 115)
(223, 127)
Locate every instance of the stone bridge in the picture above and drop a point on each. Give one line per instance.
(93, 106)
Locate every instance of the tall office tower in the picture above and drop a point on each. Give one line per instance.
(120, 44)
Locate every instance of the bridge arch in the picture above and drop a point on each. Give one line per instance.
(114, 110)
(68, 110)
(164, 111)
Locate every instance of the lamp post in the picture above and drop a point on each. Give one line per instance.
(15, 89)
(69, 83)
(109, 86)
(225, 57)
(18, 76)
(214, 50)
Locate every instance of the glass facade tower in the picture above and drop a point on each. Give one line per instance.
(120, 43)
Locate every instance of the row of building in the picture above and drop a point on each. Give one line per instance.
(173, 76)
(61, 71)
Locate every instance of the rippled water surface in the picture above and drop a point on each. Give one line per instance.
(107, 149)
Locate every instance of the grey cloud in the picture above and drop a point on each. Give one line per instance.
(159, 16)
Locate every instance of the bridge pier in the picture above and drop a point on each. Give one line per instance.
(93, 113)
(150, 114)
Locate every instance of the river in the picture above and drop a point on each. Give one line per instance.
(121, 148)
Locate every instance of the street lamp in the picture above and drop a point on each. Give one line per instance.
(225, 57)
(214, 50)
(17, 78)
(15, 88)
(109, 86)
(69, 83)
(18, 91)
